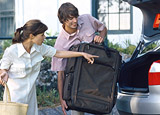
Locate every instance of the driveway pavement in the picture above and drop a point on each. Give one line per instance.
(58, 111)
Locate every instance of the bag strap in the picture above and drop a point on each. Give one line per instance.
(106, 48)
(6, 97)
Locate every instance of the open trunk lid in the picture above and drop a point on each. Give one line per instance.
(150, 9)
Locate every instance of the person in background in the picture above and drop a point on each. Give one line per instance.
(75, 29)
(20, 64)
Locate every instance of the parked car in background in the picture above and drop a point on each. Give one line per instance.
(139, 81)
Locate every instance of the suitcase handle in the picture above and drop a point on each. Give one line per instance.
(105, 47)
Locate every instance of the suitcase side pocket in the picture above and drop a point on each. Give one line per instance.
(67, 86)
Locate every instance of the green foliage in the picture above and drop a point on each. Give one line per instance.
(115, 46)
(1, 92)
(129, 47)
(6, 43)
(47, 98)
(150, 47)
(128, 50)
(50, 42)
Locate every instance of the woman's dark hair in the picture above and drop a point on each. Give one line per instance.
(34, 27)
(67, 10)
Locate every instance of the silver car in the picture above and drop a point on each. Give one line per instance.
(139, 81)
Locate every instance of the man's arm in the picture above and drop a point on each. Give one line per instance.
(102, 34)
(60, 89)
(99, 27)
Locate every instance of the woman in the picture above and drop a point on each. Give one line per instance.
(20, 64)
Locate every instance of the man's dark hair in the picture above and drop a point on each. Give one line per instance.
(66, 11)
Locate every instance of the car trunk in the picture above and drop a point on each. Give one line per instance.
(134, 73)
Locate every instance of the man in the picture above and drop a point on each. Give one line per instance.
(75, 29)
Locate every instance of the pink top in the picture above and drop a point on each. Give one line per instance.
(87, 26)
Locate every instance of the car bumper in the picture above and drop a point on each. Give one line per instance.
(138, 103)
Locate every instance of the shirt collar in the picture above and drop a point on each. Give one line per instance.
(65, 34)
(22, 51)
(35, 47)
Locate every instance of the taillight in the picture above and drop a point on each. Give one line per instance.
(154, 73)
(156, 22)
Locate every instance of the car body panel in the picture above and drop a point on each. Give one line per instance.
(140, 103)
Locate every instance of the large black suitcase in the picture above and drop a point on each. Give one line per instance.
(92, 88)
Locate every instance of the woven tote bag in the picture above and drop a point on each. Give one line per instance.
(11, 108)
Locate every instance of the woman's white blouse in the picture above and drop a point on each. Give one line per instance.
(23, 71)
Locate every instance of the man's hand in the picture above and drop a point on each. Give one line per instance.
(98, 39)
(64, 106)
(3, 77)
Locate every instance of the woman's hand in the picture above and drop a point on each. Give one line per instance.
(89, 57)
(3, 77)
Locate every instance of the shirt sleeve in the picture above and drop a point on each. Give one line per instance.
(59, 64)
(48, 51)
(6, 60)
(99, 26)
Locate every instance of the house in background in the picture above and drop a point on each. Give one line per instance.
(124, 22)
